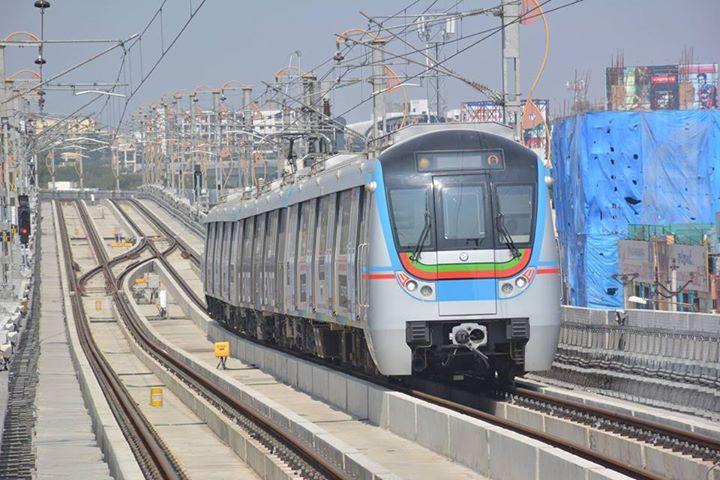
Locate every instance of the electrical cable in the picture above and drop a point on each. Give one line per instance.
(66, 71)
(529, 100)
(155, 65)
(495, 31)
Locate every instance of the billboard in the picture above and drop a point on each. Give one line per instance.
(636, 258)
(643, 88)
(534, 132)
(690, 265)
(698, 86)
(689, 262)
(662, 87)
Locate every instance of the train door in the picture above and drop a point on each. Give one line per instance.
(205, 256)
(280, 261)
(232, 273)
(237, 295)
(217, 253)
(247, 254)
(271, 235)
(257, 270)
(465, 245)
(293, 231)
(362, 298)
(344, 271)
(306, 244)
(322, 300)
(225, 260)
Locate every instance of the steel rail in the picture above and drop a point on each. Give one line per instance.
(574, 448)
(165, 230)
(707, 448)
(199, 381)
(152, 455)
(162, 256)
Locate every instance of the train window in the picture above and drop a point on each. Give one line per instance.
(411, 211)
(516, 204)
(462, 204)
(464, 212)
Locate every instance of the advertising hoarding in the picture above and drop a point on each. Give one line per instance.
(662, 87)
(534, 132)
(635, 258)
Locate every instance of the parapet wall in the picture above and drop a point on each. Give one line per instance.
(668, 359)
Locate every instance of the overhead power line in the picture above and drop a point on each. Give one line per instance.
(492, 32)
(193, 13)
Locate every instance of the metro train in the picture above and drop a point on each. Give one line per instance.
(436, 257)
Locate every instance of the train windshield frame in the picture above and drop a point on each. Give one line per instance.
(475, 208)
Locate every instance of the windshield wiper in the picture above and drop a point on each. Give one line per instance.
(507, 238)
(421, 241)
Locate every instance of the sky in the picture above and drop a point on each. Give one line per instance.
(248, 41)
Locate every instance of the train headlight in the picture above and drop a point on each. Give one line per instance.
(426, 290)
(520, 282)
(411, 285)
(506, 288)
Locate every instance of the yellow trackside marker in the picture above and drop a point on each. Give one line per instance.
(222, 349)
(120, 244)
(156, 396)
(98, 305)
(222, 352)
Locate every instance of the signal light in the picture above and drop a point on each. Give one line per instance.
(24, 226)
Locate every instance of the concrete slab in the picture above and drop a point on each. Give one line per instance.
(511, 456)
(64, 441)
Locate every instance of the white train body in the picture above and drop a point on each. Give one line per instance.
(331, 265)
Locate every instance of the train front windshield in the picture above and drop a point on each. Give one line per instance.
(457, 201)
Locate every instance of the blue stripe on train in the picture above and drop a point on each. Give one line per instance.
(463, 290)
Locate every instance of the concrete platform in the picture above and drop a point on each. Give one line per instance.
(64, 441)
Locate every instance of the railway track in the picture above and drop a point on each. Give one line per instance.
(685, 442)
(152, 455)
(302, 460)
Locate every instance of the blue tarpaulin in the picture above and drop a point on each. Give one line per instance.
(613, 169)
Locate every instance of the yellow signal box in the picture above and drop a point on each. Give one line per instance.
(222, 349)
